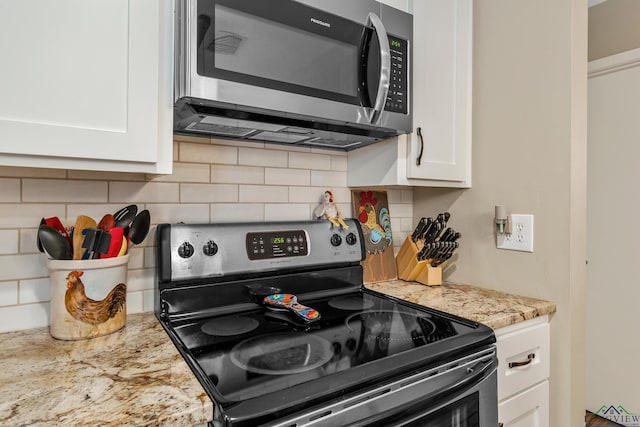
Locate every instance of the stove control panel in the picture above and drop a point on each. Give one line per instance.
(277, 244)
(214, 250)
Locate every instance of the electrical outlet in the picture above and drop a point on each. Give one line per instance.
(521, 237)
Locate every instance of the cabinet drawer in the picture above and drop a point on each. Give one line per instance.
(523, 356)
(527, 409)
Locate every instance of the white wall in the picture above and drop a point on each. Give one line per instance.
(529, 153)
(213, 180)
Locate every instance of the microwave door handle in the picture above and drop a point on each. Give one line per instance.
(385, 67)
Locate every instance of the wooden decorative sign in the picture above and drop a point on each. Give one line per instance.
(371, 208)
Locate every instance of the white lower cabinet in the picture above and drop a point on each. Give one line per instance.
(523, 373)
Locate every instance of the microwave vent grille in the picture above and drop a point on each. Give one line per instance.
(220, 129)
(334, 143)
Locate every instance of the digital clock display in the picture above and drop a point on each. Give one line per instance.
(276, 244)
(395, 43)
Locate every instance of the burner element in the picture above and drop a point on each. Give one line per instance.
(229, 326)
(352, 303)
(282, 353)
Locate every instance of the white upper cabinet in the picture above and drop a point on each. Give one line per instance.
(442, 89)
(87, 84)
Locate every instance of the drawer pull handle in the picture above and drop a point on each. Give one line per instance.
(530, 358)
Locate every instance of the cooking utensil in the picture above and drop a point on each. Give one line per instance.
(96, 242)
(53, 243)
(290, 302)
(140, 227)
(82, 222)
(123, 217)
(107, 222)
(115, 243)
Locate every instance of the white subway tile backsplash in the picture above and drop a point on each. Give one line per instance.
(212, 154)
(95, 211)
(281, 176)
(262, 157)
(19, 317)
(213, 180)
(135, 302)
(208, 193)
(310, 161)
(338, 163)
(136, 257)
(263, 193)
(60, 190)
(28, 214)
(10, 171)
(9, 240)
(140, 279)
(185, 172)
(106, 176)
(286, 212)
(16, 267)
(144, 192)
(8, 293)
(161, 213)
(224, 174)
(329, 178)
(398, 210)
(28, 241)
(34, 290)
(9, 190)
(237, 212)
(148, 300)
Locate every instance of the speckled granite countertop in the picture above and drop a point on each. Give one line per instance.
(136, 377)
(494, 309)
(133, 377)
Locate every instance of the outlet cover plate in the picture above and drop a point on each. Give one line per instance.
(521, 237)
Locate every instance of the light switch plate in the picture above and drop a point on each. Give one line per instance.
(521, 237)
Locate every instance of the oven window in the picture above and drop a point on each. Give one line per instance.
(461, 413)
(259, 47)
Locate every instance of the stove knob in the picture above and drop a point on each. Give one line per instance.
(210, 248)
(185, 250)
(351, 239)
(336, 240)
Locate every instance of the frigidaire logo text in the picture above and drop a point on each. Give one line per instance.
(319, 22)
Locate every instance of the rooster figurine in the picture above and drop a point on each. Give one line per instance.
(328, 210)
(376, 226)
(86, 310)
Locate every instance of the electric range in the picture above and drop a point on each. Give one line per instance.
(275, 322)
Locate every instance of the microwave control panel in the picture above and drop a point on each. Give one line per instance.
(397, 96)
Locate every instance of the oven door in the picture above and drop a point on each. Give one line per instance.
(461, 393)
(287, 56)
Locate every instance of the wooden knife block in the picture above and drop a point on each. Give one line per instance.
(412, 270)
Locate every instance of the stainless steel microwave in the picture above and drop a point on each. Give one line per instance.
(322, 73)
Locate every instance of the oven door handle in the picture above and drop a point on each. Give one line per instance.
(385, 67)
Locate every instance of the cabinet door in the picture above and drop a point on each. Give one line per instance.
(442, 86)
(398, 4)
(527, 409)
(86, 84)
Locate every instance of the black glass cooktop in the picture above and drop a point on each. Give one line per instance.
(261, 351)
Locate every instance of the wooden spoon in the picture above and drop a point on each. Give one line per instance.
(82, 222)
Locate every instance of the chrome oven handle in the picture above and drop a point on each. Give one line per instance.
(385, 67)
